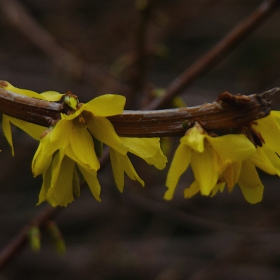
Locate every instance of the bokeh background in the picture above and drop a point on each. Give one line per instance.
(91, 50)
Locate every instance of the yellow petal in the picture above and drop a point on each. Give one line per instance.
(57, 159)
(47, 177)
(159, 160)
(194, 138)
(276, 115)
(250, 183)
(92, 181)
(52, 95)
(106, 105)
(60, 134)
(116, 162)
(166, 145)
(231, 174)
(121, 164)
(205, 169)
(61, 190)
(34, 130)
(41, 160)
(43, 155)
(130, 171)
(235, 147)
(56, 138)
(69, 152)
(103, 130)
(6, 85)
(50, 176)
(270, 132)
(219, 187)
(262, 161)
(147, 149)
(179, 165)
(74, 114)
(274, 159)
(83, 147)
(7, 130)
(191, 190)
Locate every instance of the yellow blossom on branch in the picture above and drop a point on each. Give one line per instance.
(67, 151)
(228, 160)
(208, 157)
(70, 144)
(265, 134)
(33, 130)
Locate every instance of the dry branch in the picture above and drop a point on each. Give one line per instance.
(228, 111)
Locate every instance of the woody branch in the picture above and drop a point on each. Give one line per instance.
(228, 111)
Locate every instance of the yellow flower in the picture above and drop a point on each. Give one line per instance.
(33, 130)
(233, 161)
(265, 158)
(212, 159)
(145, 148)
(70, 145)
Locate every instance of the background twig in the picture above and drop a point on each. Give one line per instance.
(9, 252)
(20, 18)
(217, 53)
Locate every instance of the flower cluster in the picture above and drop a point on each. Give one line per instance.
(224, 161)
(68, 152)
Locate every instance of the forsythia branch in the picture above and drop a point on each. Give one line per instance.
(228, 111)
(223, 142)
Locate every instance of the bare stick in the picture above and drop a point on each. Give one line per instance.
(216, 54)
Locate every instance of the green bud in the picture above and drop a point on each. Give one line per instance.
(56, 237)
(34, 236)
(71, 100)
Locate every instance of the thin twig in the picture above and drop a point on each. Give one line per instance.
(14, 246)
(216, 54)
(141, 52)
(18, 16)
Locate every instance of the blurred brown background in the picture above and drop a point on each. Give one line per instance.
(138, 235)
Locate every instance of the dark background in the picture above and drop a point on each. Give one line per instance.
(138, 235)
